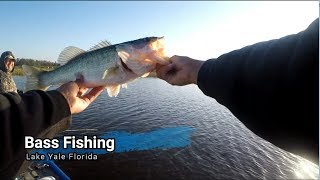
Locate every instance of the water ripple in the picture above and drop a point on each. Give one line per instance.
(221, 148)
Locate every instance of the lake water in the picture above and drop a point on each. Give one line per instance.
(220, 147)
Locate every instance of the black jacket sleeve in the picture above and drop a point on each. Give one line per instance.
(273, 88)
(26, 115)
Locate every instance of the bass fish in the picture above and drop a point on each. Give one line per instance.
(103, 65)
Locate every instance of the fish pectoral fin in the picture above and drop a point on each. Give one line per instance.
(146, 74)
(152, 74)
(114, 90)
(69, 53)
(110, 72)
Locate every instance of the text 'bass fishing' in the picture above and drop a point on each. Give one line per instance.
(71, 142)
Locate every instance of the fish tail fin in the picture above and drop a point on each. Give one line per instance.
(32, 75)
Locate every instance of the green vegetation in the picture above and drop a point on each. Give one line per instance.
(39, 64)
(18, 71)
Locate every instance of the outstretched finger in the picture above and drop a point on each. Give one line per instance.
(93, 94)
(82, 90)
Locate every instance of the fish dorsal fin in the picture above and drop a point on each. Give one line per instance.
(100, 45)
(68, 53)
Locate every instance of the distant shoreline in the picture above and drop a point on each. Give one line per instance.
(19, 72)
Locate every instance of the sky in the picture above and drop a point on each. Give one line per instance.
(201, 30)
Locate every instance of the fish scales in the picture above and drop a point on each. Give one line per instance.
(103, 65)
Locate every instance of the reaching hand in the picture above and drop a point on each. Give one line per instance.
(181, 71)
(74, 93)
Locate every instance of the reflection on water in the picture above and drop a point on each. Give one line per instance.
(221, 146)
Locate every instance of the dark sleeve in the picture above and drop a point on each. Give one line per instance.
(22, 115)
(273, 88)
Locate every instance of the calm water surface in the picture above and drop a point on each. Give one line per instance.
(221, 146)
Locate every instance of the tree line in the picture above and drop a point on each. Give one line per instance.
(36, 63)
(40, 64)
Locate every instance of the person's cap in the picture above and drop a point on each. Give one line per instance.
(7, 55)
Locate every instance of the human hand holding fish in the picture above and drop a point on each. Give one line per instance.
(181, 71)
(74, 92)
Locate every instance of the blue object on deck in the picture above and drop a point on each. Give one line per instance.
(54, 167)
